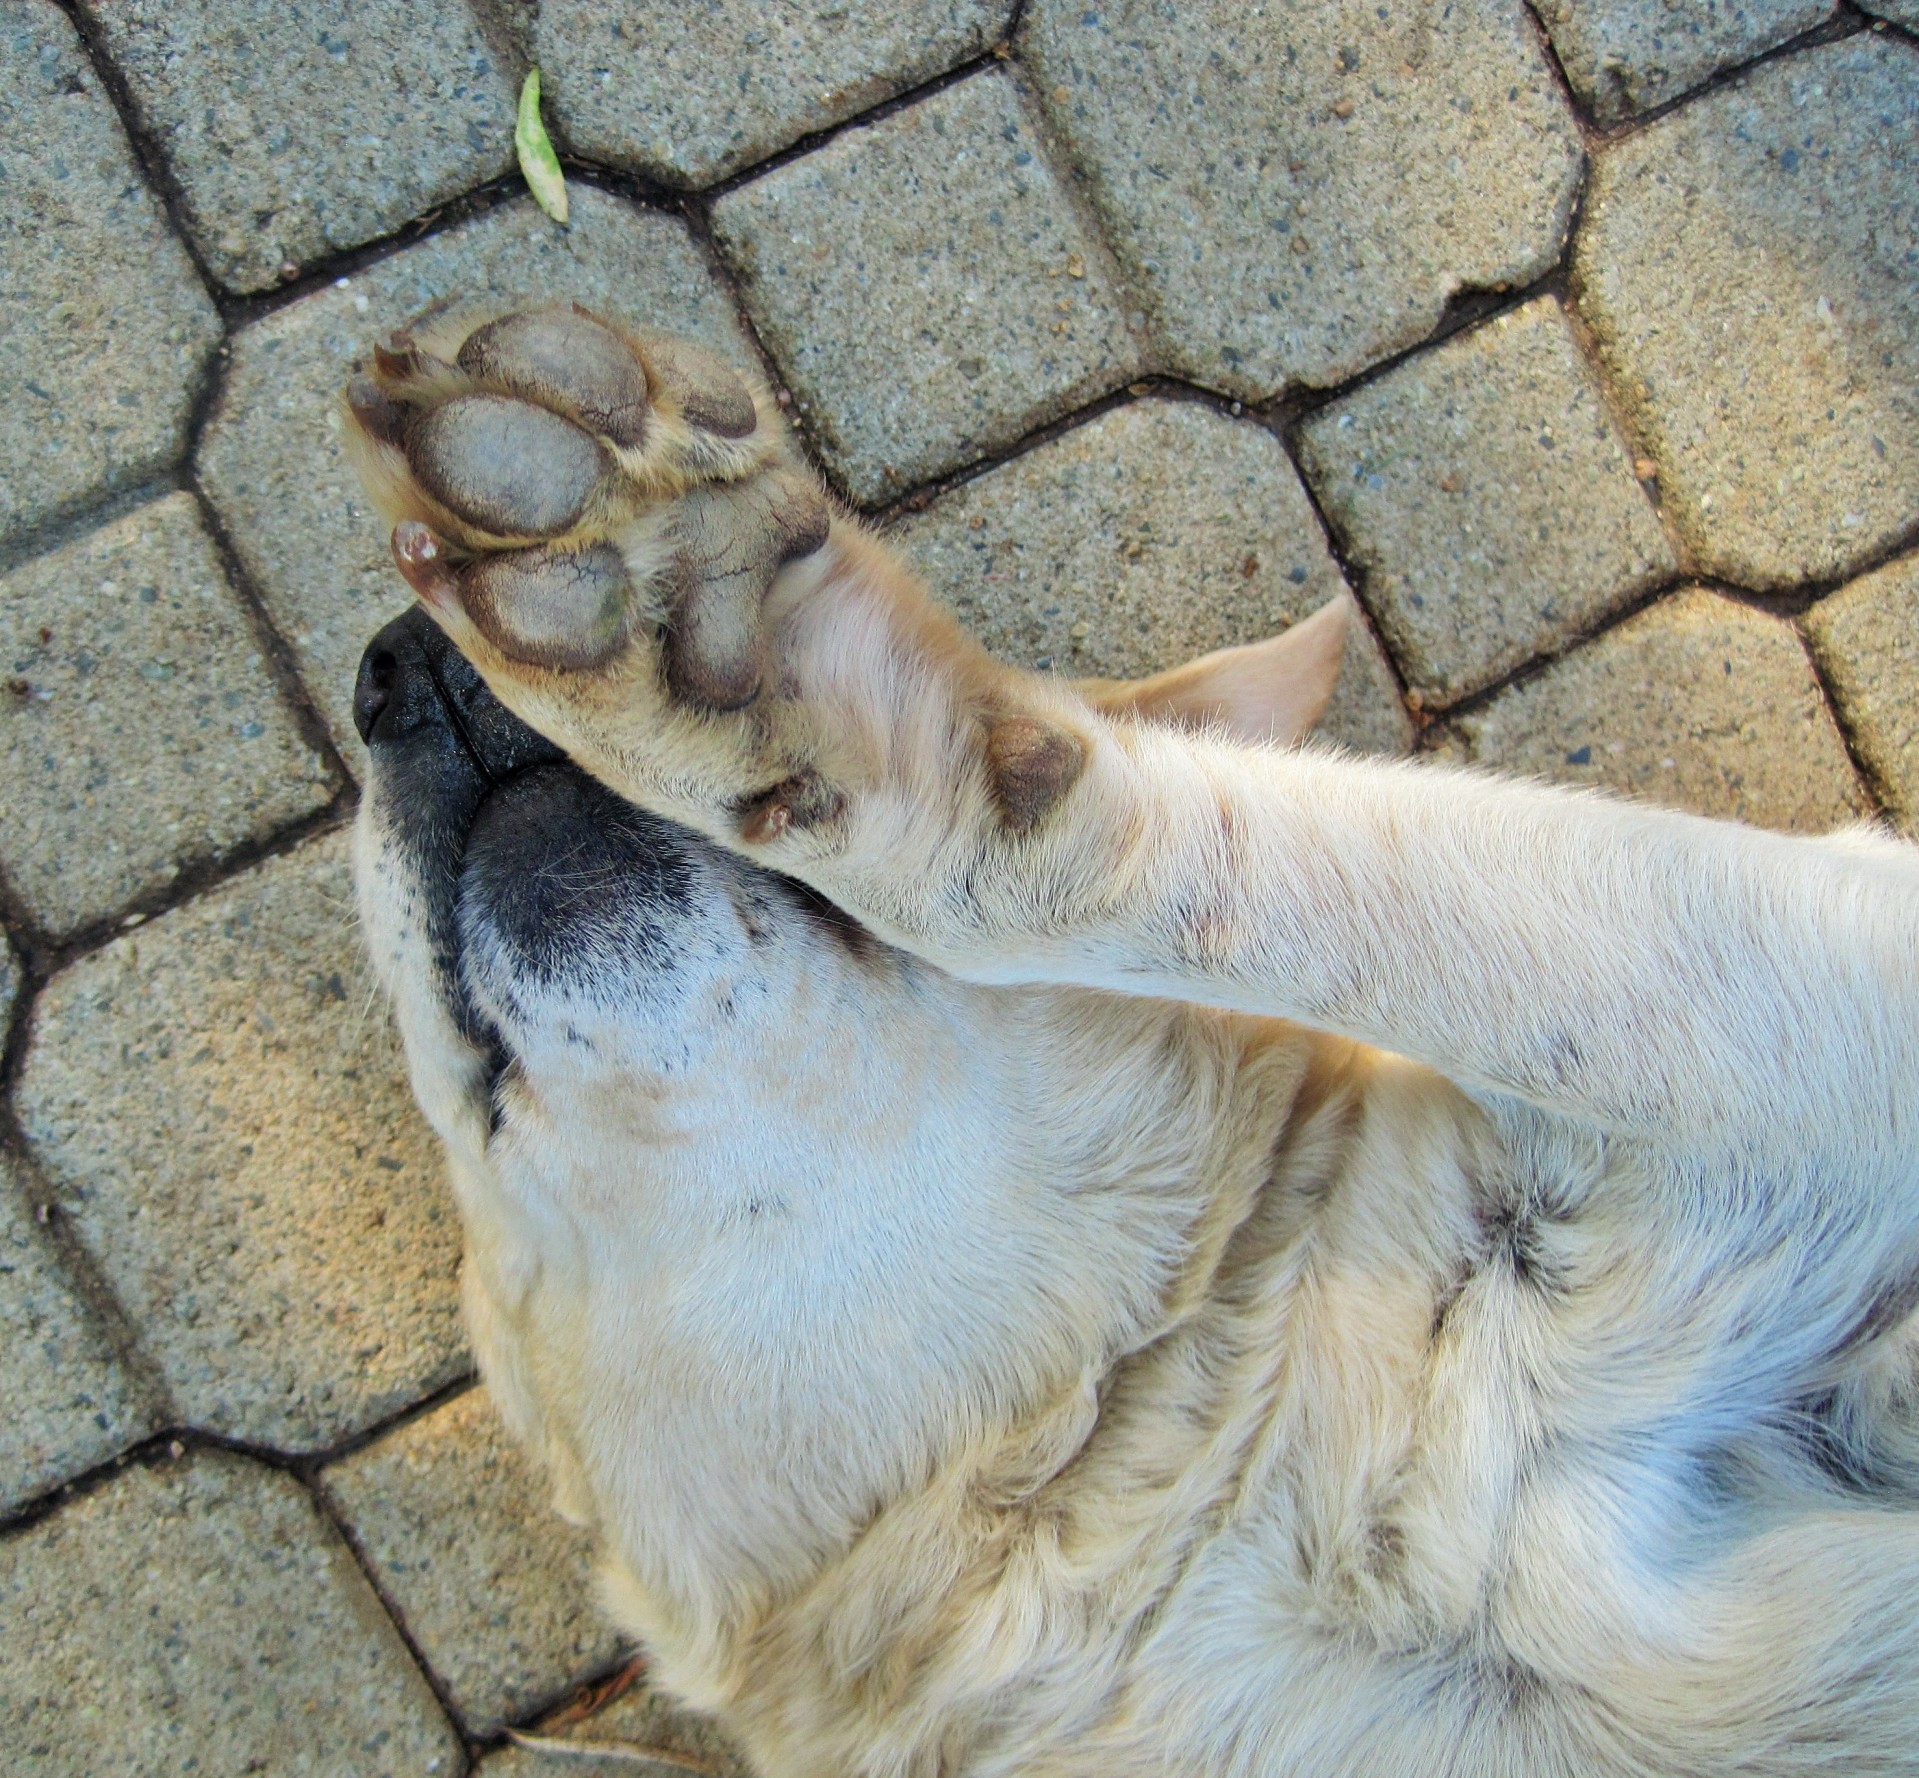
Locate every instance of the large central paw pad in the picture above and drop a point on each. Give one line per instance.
(563, 479)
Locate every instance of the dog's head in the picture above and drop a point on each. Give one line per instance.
(809, 1175)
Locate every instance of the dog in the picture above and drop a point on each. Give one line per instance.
(1050, 1228)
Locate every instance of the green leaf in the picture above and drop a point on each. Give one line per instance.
(539, 165)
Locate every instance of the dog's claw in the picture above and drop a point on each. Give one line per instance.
(422, 564)
(379, 415)
(802, 801)
(400, 358)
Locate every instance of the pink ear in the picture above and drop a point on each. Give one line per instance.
(1264, 691)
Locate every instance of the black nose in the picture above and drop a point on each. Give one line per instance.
(412, 679)
(373, 687)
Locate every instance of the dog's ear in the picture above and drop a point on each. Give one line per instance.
(1264, 691)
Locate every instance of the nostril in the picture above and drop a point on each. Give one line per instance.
(373, 689)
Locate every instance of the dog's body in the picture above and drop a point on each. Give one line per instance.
(970, 1364)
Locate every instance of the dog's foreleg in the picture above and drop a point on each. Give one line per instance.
(1653, 973)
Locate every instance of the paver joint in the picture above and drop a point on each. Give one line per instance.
(1137, 331)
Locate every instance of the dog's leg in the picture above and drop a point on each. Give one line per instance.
(616, 532)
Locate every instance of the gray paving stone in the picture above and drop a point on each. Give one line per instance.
(1866, 638)
(199, 1616)
(141, 727)
(104, 326)
(1626, 56)
(494, 1588)
(1697, 703)
(1149, 535)
(690, 94)
(1749, 269)
(271, 460)
(222, 1110)
(1300, 190)
(9, 984)
(927, 288)
(637, 1720)
(70, 1405)
(294, 131)
(1901, 12)
(1487, 499)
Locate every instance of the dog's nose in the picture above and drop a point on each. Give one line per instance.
(396, 691)
(373, 688)
(412, 678)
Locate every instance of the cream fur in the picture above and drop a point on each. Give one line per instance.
(1296, 1265)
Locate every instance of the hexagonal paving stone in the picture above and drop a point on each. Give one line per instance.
(1748, 268)
(638, 1720)
(927, 288)
(272, 463)
(1866, 638)
(1300, 190)
(1624, 56)
(104, 326)
(494, 1588)
(220, 1106)
(143, 728)
(70, 1404)
(199, 1616)
(689, 94)
(1149, 535)
(293, 131)
(1698, 703)
(1487, 500)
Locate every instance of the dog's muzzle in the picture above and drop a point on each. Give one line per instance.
(523, 866)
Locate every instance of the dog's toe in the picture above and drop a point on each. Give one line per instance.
(506, 466)
(567, 360)
(729, 541)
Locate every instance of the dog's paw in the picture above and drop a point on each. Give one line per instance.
(563, 480)
(616, 530)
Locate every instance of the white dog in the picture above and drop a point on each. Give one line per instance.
(1143, 1249)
